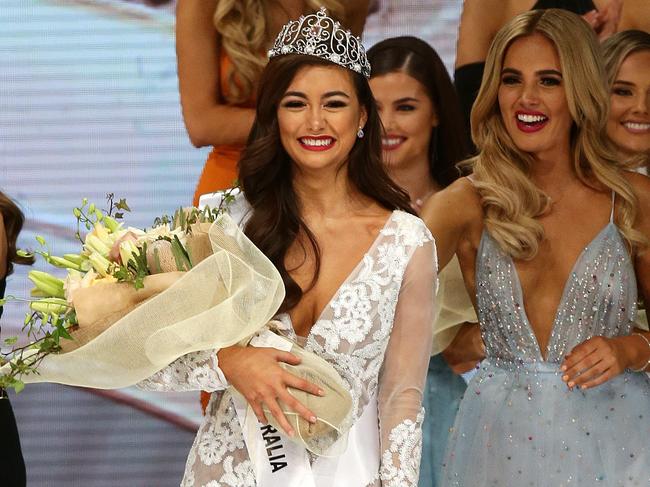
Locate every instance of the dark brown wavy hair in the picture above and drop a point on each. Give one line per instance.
(449, 141)
(13, 223)
(265, 170)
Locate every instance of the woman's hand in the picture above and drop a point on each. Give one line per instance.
(600, 359)
(258, 376)
(466, 349)
(605, 21)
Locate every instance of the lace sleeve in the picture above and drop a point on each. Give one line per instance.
(197, 371)
(403, 376)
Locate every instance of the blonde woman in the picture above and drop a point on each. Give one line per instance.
(481, 19)
(221, 47)
(627, 61)
(552, 238)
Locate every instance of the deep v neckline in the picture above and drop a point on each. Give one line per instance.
(561, 304)
(345, 281)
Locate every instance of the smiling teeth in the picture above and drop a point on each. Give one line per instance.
(530, 118)
(391, 141)
(316, 142)
(637, 126)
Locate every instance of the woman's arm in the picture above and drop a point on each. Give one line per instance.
(466, 349)
(449, 215)
(599, 359)
(208, 120)
(197, 371)
(356, 14)
(479, 22)
(403, 374)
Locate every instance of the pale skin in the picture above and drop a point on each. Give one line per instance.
(320, 103)
(577, 214)
(209, 120)
(482, 19)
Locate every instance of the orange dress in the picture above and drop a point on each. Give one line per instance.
(220, 169)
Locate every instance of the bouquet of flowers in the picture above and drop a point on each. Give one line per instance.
(135, 300)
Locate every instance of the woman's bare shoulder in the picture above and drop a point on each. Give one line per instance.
(459, 203)
(641, 187)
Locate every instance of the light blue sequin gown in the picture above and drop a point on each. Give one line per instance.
(442, 396)
(518, 424)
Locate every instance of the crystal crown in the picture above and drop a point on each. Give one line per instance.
(319, 35)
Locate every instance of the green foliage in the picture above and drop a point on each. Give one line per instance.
(51, 318)
(135, 270)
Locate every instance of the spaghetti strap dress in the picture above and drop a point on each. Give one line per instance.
(518, 423)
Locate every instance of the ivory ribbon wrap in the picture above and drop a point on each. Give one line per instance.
(327, 435)
(126, 335)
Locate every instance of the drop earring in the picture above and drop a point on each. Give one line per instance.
(360, 133)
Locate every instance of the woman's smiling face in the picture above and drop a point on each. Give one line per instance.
(629, 117)
(319, 116)
(532, 97)
(407, 114)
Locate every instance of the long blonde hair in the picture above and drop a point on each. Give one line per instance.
(619, 46)
(511, 201)
(242, 26)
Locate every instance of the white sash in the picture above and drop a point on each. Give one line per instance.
(279, 461)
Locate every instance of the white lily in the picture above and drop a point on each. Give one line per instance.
(128, 251)
(100, 263)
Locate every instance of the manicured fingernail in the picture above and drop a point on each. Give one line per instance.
(563, 368)
(571, 384)
(312, 419)
(565, 378)
(583, 387)
(321, 392)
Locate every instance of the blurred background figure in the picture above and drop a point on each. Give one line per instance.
(627, 61)
(481, 19)
(12, 466)
(424, 138)
(221, 47)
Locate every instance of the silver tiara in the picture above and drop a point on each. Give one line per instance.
(321, 36)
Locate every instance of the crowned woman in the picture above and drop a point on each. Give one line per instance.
(359, 271)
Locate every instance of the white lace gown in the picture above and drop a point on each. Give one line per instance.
(376, 332)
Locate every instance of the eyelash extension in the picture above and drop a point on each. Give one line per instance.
(336, 104)
(405, 108)
(622, 91)
(550, 81)
(293, 104)
(509, 80)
